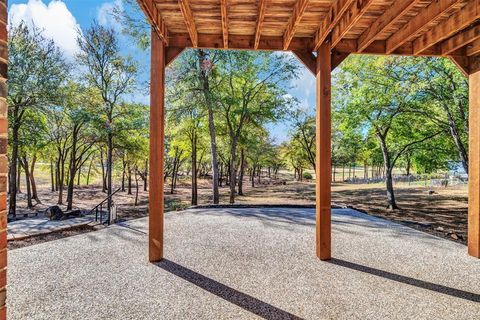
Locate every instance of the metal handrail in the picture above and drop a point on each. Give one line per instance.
(100, 205)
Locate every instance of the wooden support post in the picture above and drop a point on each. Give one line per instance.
(474, 166)
(323, 153)
(157, 103)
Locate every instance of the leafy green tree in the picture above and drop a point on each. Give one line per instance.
(445, 99)
(112, 74)
(37, 69)
(252, 92)
(375, 94)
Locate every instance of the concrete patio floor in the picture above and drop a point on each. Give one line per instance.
(246, 264)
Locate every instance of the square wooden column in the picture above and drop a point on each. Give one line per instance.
(157, 117)
(474, 166)
(323, 153)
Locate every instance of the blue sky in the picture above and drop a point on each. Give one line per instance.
(61, 18)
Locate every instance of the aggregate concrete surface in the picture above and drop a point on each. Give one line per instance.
(246, 263)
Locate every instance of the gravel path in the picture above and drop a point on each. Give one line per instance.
(246, 264)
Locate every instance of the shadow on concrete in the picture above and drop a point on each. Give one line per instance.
(243, 300)
(410, 281)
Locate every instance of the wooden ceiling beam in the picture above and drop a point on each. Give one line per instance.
(297, 14)
(447, 28)
(308, 59)
(419, 23)
(171, 54)
(153, 16)
(335, 13)
(238, 42)
(473, 48)
(396, 11)
(460, 40)
(260, 16)
(224, 12)
(189, 21)
(462, 63)
(378, 47)
(352, 16)
(337, 58)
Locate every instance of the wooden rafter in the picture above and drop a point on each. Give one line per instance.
(308, 59)
(335, 13)
(297, 14)
(462, 64)
(396, 11)
(223, 8)
(172, 53)
(337, 58)
(473, 48)
(378, 48)
(258, 29)
(354, 13)
(418, 24)
(215, 41)
(447, 28)
(189, 21)
(154, 18)
(460, 40)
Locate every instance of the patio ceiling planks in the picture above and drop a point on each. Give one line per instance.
(403, 27)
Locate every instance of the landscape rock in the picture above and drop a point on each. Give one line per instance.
(54, 213)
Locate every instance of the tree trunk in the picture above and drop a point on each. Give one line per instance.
(32, 180)
(233, 170)
(242, 171)
(129, 178)
(104, 180)
(61, 179)
(19, 174)
(174, 171)
(27, 181)
(123, 173)
(392, 204)
(194, 200)
(12, 203)
(89, 171)
(211, 127)
(136, 187)
(52, 175)
(109, 169)
(388, 167)
(253, 176)
(408, 166)
(73, 168)
(221, 176)
(145, 181)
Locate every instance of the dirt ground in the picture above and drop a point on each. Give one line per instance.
(436, 210)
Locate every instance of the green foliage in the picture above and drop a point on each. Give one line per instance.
(307, 175)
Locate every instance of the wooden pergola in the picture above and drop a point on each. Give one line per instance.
(321, 33)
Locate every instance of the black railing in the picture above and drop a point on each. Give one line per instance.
(98, 209)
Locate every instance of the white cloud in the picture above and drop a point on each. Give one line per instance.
(56, 21)
(104, 13)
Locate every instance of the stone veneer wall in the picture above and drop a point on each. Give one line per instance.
(3, 157)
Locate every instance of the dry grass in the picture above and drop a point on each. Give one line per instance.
(442, 213)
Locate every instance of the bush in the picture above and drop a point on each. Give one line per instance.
(307, 176)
